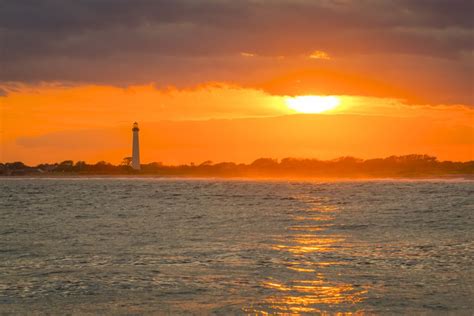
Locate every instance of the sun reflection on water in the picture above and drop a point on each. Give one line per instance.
(311, 285)
(307, 295)
(318, 218)
(304, 243)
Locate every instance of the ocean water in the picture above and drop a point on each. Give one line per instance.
(178, 246)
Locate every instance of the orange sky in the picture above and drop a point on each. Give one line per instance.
(220, 122)
(213, 80)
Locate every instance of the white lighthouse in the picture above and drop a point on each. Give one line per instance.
(136, 148)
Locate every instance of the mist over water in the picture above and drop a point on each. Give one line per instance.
(145, 246)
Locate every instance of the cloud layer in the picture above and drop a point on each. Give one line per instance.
(185, 42)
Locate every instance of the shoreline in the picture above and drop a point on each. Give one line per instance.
(460, 177)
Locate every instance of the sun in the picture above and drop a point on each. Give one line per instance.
(312, 104)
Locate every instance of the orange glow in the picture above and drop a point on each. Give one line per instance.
(49, 123)
(313, 104)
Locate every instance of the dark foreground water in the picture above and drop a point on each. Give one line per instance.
(149, 246)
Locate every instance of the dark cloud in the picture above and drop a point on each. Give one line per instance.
(122, 41)
(86, 28)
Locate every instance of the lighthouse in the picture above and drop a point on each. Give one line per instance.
(136, 148)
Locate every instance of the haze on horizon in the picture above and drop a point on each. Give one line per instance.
(235, 80)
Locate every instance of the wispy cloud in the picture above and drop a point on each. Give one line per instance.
(319, 54)
(246, 54)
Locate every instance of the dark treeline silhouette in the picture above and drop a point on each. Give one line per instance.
(409, 166)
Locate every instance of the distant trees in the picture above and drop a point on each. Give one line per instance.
(127, 161)
(80, 166)
(13, 168)
(348, 167)
(17, 165)
(65, 166)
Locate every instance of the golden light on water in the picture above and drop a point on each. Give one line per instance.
(312, 104)
(308, 295)
(310, 288)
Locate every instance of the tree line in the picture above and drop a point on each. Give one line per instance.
(350, 167)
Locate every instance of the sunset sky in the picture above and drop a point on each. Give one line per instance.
(227, 80)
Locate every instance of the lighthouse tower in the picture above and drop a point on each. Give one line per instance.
(136, 148)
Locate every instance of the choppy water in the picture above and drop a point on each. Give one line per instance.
(138, 246)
